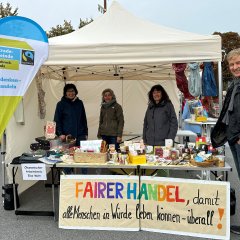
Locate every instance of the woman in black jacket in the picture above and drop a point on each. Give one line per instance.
(70, 116)
(160, 120)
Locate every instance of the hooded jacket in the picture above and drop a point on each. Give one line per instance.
(70, 118)
(160, 123)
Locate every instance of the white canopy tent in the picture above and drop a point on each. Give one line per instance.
(119, 45)
(132, 54)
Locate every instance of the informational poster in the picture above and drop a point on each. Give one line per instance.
(185, 207)
(167, 205)
(23, 49)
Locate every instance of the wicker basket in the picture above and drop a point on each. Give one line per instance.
(89, 157)
(208, 163)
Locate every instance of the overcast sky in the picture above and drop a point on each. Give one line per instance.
(204, 16)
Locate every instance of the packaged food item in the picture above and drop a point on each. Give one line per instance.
(149, 149)
(220, 160)
(174, 154)
(200, 140)
(103, 148)
(113, 156)
(123, 159)
(168, 143)
(50, 130)
(158, 151)
(166, 153)
(112, 148)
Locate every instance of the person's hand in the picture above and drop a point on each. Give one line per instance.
(62, 137)
(238, 142)
(119, 139)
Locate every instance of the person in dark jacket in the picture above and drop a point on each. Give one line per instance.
(160, 120)
(70, 116)
(111, 121)
(227, 127)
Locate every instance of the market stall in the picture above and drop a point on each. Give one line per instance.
(116, 49)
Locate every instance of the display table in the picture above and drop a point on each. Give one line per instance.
(140, 169)
(206, 126)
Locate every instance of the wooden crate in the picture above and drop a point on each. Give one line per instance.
(89, 157)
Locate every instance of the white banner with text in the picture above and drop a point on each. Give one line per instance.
(167, 205)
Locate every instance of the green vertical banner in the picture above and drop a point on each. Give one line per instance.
(23, 49)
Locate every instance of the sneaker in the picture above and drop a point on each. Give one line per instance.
(235, 229)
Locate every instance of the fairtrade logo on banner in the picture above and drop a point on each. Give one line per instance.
(27, 57)
(10, 57)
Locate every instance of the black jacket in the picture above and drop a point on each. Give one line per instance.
(221, 132)
(70, 118)
(160, 123)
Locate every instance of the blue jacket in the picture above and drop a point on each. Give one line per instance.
(70, 118)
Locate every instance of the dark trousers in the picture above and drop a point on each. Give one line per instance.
(111, 140)
(235, 149)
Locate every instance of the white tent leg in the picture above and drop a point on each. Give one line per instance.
(3, 149)
(220, 86)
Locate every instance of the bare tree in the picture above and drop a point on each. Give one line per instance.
(7, 10)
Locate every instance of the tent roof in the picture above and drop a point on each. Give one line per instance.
(120, 45)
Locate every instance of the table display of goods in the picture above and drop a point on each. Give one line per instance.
(199, 153)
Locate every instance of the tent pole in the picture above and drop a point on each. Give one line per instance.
(3, 147)
(105, 6)
(220, 85)
(122, 93)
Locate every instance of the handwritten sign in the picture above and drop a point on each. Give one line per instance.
(185, 207)
(99, 202)
(167, 205)
(34, 171)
